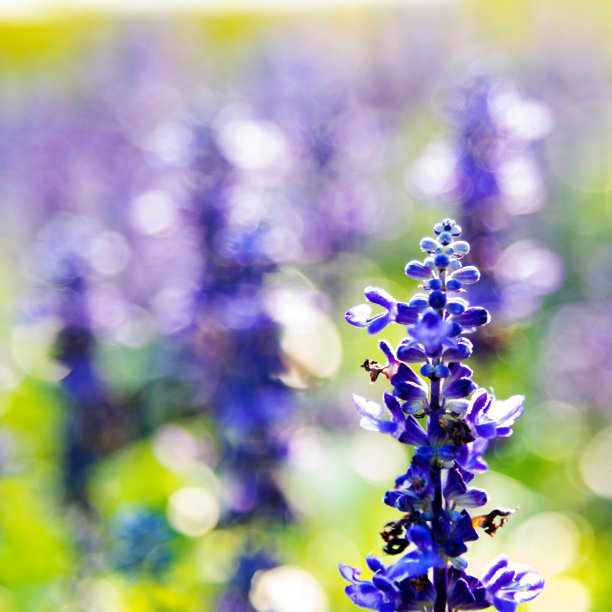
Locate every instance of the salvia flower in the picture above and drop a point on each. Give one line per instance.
(449, 420)
(399, 312)
(510, 584)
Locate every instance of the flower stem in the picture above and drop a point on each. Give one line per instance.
(439, 578)
(434, 396)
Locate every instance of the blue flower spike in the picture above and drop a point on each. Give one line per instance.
(434, 405)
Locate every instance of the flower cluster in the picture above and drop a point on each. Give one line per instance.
(460, 420)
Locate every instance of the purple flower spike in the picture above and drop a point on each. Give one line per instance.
(510, 584)
(450, 434)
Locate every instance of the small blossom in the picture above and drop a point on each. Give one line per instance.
(417, 562)
(490, 417)
(510, 584)
(456, 491)
(433, 332)
(465, 592)
(360, 315)
(378, 594)
(459, 384)
(405, 428)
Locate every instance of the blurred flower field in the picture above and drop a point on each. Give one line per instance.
(190, 204)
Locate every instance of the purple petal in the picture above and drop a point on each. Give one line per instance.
(410, 352)
(420, 537)
(461, 248)
(460, 595)
(415, 269)
(349, 573)
(458, 370)
(447, 453)
(473, 317)
(459, 388)
(414, 564)
(413, 433)
(405, 373)
(429, 244)
(502, 605)
(500, 562)
(406, 314)
(473, 498)
(358, 315)
(467, 275)
(393, 406)
(506, 411)
(409, 391)
(454, 485)
(379, 296)
(367, 407)
(365, 595)
(378, 323)
(486, 430)
(375, 564)
(385, 347)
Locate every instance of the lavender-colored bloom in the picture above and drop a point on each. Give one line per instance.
(378, 594)
(433, 332)
(490, 417)
(456, 491)
(405, 428)
(418, 561)
(470, 456)
(459, 384)
(465, 592)
(399, 312)
(510, 584)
